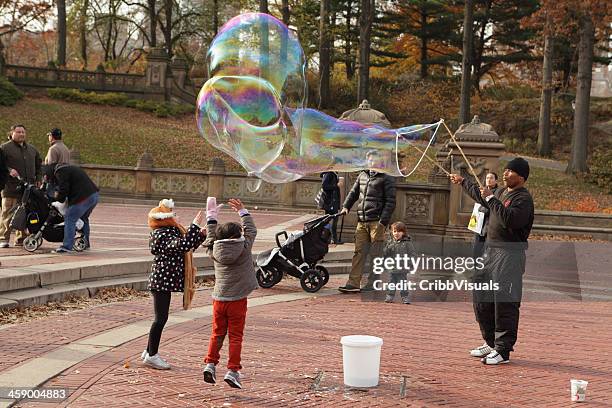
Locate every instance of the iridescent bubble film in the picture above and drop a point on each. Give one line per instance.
(253, 108)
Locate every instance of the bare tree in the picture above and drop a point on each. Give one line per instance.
(61, 32)
(578, 158)
(546, 101)
(365, 31)
(466, 64)
(324, 55)
(285, 11)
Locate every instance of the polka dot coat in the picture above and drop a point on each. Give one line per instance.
(169, 246)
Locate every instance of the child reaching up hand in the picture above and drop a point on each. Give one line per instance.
(229, 245)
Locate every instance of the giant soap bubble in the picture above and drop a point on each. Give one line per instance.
(253, 108)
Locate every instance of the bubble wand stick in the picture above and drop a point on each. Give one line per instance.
(463, 154)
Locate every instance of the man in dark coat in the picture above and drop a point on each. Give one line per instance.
(511, 218)
(23, 161)
(74, 185)
(376, 192)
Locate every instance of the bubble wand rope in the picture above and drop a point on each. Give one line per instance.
(463, 154)
(397, 136)
(435, 163)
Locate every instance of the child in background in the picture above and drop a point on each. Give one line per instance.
(400, 243)
(229, 245)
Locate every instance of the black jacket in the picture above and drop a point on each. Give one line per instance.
(511, 214)
(331, 192)
(377, 194)
(26, 160)
(73, 183)
(3, 172)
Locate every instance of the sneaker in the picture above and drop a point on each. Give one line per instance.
(389, 299)
(156, 362)
(144, 355)
(406, 300)
(62, 250)
(349, 289)
(4, 245)
(233, 379)
(494, 358)
(209, 374)
(481, 351)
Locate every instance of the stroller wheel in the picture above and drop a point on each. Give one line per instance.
(311, 281)
(79, 244)
(31, 244)
(324, 273)
(266, 278)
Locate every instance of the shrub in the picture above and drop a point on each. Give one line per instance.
(161, 109)
(9, 94)
(509, 92)
(600, 168)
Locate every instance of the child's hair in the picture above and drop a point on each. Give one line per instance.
(399, 226)
(229, 230)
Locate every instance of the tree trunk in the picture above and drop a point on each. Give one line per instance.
(578, 158)
(285, 12)
(324, 55)
(83, 32)
(152, 24)
(365, 31)
(61, 33)
(423, 44)
(263, 6)
(466, 64)
(348, 59)
(545, 104)
(215, 17)
(168, 28)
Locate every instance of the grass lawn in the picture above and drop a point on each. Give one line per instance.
(118, 136)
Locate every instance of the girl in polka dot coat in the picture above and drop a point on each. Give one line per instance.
(170, 243)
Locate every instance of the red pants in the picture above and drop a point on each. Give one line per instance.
(228, 318)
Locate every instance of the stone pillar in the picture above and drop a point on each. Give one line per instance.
(483, 148)
(288, 192)
(216, 177)
(179, 71)
(144, 175)
(75, 157)
(2, 60)
(158, 68)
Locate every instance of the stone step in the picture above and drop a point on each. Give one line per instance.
(58, 291)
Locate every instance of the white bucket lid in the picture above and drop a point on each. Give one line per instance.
(361, 341)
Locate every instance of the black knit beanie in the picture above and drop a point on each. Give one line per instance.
(519, 166)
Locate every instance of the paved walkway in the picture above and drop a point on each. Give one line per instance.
(291, 337)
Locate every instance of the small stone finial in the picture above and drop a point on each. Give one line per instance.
(364, 104)
(475, 120)
(217, 165)
(75, 156)
(145, 161)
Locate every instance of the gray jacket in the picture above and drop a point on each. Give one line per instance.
(234, 272)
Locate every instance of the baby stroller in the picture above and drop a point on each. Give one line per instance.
(43, 221)
(298, 256)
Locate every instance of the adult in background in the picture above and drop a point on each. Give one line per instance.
(82, 194)
(3, 174)
(376, 194)
(330, 199)
(511, 213)
(58, 153)
(23, 161)
(479, 239)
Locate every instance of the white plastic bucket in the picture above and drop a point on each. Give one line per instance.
(361, 360)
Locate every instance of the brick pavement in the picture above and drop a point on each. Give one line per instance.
(287, 344)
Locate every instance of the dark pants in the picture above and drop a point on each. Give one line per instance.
(334, 228)
(497, 311)
(478, 247)
(161, 306)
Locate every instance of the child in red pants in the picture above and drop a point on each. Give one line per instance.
(229, 245)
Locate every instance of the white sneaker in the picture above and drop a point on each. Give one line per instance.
(494, 358)
(4, 244)
(156, 362)
(481, 351)
(144, 355)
